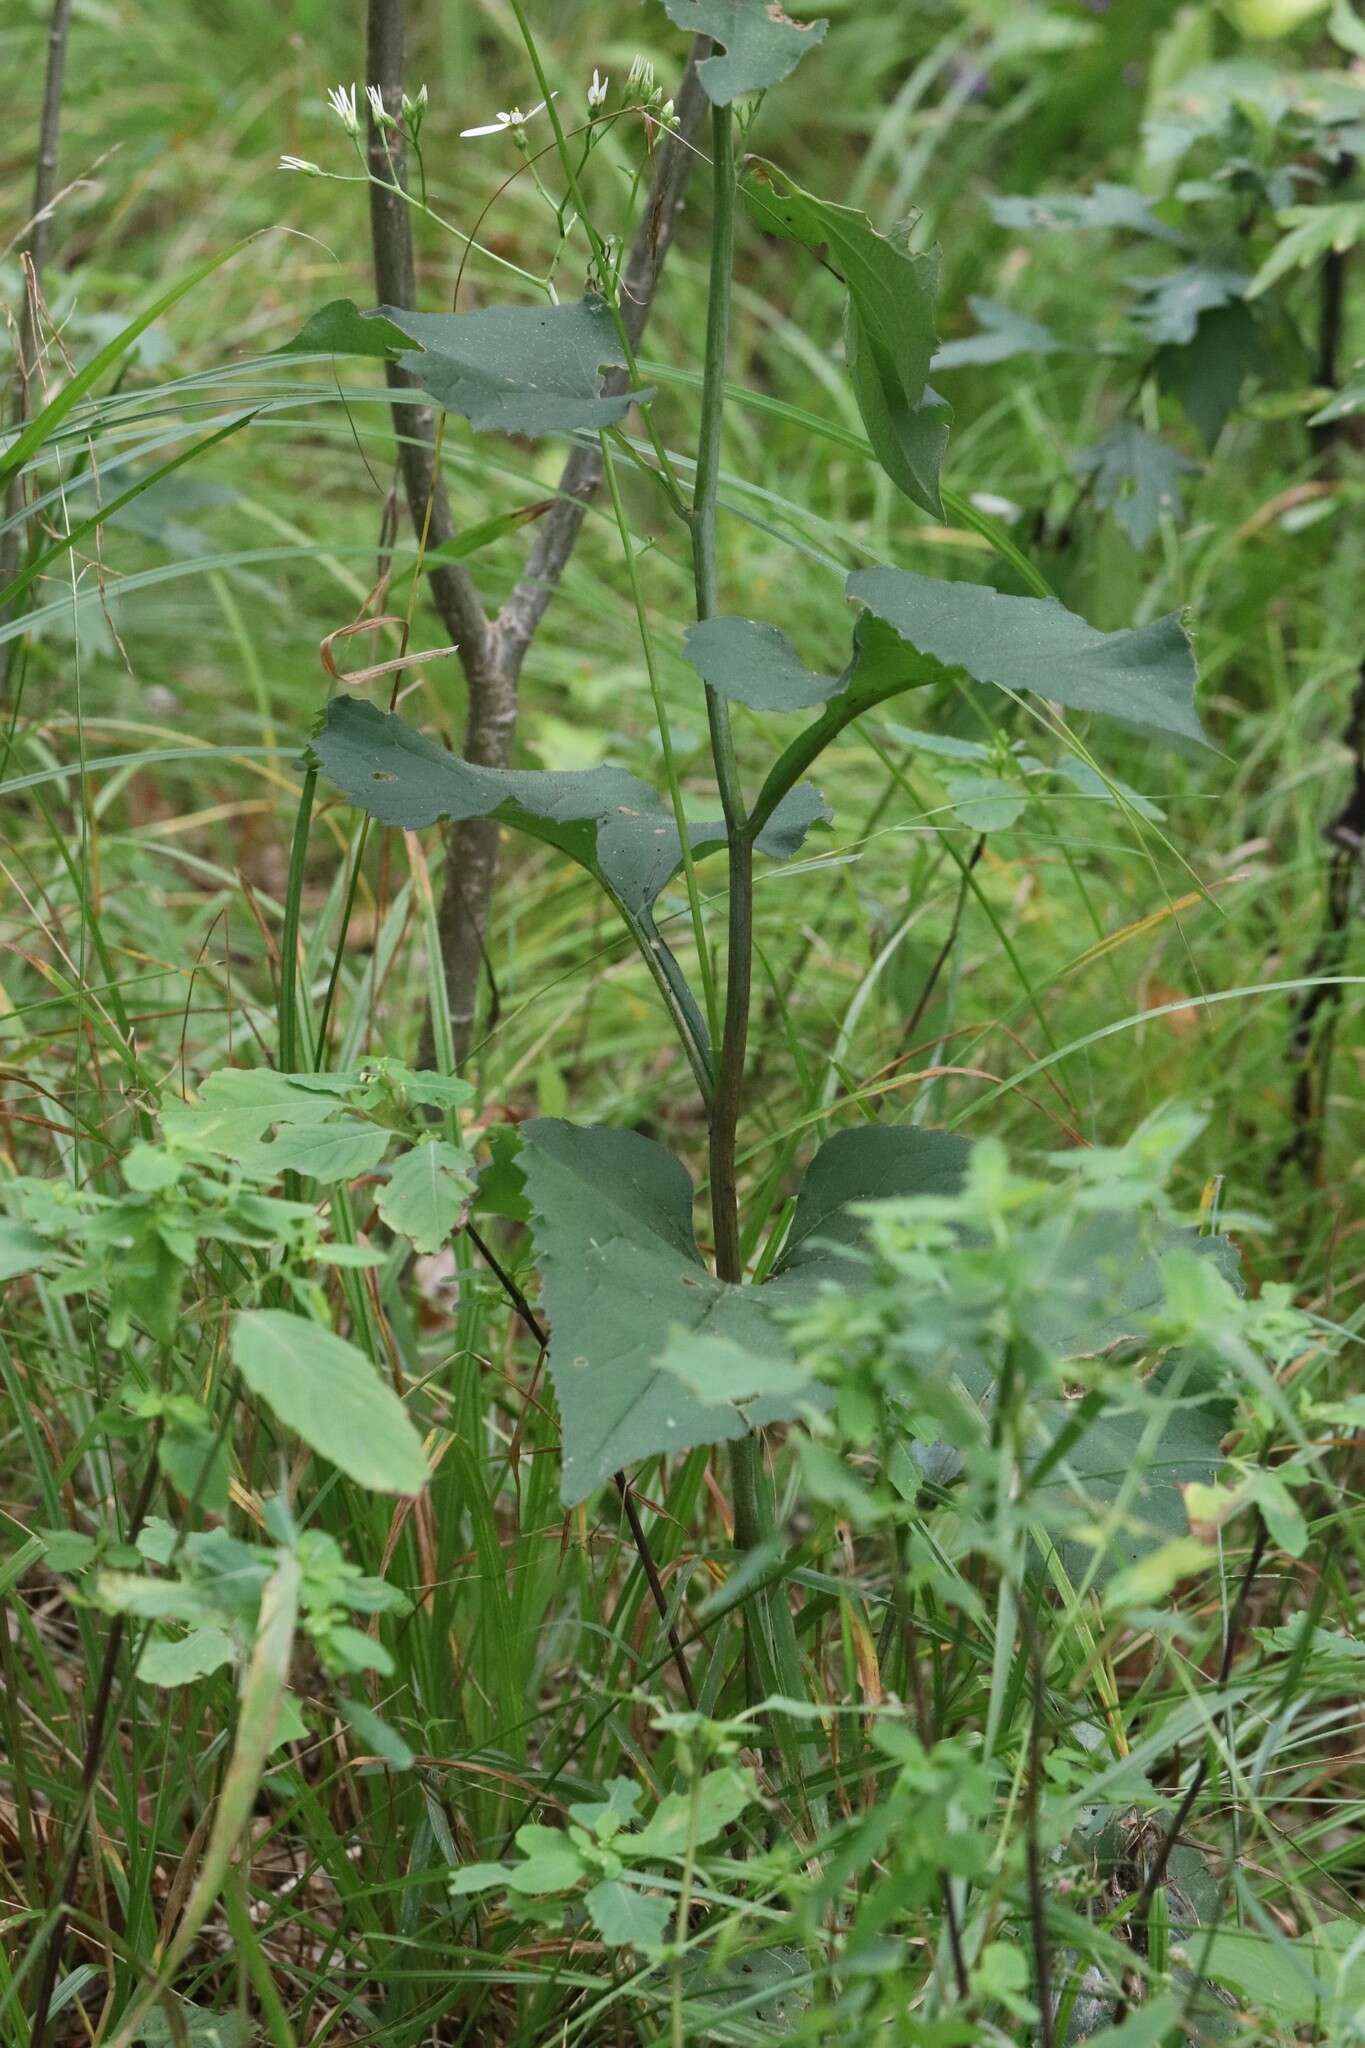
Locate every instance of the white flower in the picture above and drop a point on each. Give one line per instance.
(341, 99)
(413, 110)
(299, 163)
(507, 123)
(597, 91)
(379, 112)
(641, 78)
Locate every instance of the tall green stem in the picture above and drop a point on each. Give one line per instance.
(735, 1032)
(771, 1653)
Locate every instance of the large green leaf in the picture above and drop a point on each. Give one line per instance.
(624, 1281)
(762, 44)
(329, 1394)
(518, 369)
(890, 336)
(871, 1163)
(1137, 1441)
(613, 1228)
(604, 818)
(1144, 677)
(611, 823)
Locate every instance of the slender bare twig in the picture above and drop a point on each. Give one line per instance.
(492, 650)
(33, 246)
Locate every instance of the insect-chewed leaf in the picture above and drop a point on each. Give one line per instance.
(22, 1250)
(1144, 677)
(890, 333)
(519, 369)
(625, 1286)
(329, 1394)
(762, 45)
(427, 1194)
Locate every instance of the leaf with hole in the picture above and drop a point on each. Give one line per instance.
(331, 1396)
(627, 1918)
(762, 45)
(1143, 677)
(889, 335)
(181, 1661)
(427, 1194)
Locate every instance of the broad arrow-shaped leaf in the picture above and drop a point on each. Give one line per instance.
(606, 819)
(762, 44)
(1144, 677)
(623, 1277)
(889, 339)
(518, 369)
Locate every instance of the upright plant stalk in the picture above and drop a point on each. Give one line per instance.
(735, 1031)
(771, 1649)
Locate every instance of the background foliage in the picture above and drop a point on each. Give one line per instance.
(449, 1723)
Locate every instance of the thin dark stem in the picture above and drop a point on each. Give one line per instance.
(1037, 1893)
(96, 1737)
(1332, 314)
(903, 1608)
(944, 954)
(1156, 1869)
(739, 959)
(639, 1536)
